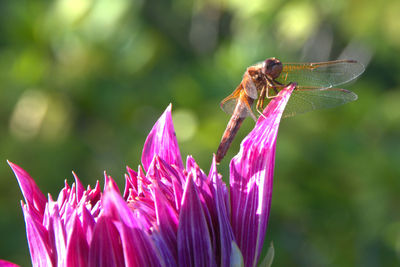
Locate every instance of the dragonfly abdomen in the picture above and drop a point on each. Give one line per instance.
(231, 130)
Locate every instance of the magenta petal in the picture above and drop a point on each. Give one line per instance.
(88, 222)
(79, 188)
(251, 176)
(204, 191)
(226, 235)
(137, 246)
(32, 194)
(4, 263)
(130, 183)
(93, 196)
(161, 174)
(132, 178)
(165, 257)
(58, 233)
(178, 194)
(105, 248)
(77, 249)
(140, 250)
(167, 171)
(108, 180)
(167, 220)
(39, 245)
(194, 242)
(115, 207)
(162, 141)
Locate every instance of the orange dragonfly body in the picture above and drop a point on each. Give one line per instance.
(263, 81)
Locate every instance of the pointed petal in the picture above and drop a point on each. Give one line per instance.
(166, 256)
(105, 248)
(77, 249)
(108, 180)
(79, 188)
(191, 165)
(132, 177)
(162, 141)
(4, 263)
(39, 245)
(61, 199)
(167, 220)
(130, 192)
(194, 243)
(138, 248)
(166, 178)
(32, 194)
(58, 233)
(93, 196)
(204, 190)
(178, 194)
(130, 183)
(251, 176)
(72, 199)
(226, 236)
(114, 205)
(88, 222)
(168, 171)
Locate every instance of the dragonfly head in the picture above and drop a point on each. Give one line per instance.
(272, 67)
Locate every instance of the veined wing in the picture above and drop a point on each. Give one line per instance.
(305, 99)
(322, 74)
(236, 102)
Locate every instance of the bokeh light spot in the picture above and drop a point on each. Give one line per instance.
(28, 114)
(296, 22)
(185, 123)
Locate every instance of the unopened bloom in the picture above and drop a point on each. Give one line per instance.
(169, 214)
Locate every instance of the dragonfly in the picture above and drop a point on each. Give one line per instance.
(315, 89)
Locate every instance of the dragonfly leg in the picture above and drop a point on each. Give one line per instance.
(261, 114)
(270, 85)
(260, 101)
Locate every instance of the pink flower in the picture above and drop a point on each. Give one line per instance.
(168, 215)
(4, 263)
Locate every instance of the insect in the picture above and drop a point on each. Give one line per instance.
(263, 81)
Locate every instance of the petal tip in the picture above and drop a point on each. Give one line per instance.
(12, 165)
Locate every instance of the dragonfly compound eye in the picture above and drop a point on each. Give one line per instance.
(272, 67)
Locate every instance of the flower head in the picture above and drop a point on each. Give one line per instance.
(168, 215)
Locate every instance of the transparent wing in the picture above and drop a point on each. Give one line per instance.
(229, 107)
(323, 74)
(305, 99)
(236, 102)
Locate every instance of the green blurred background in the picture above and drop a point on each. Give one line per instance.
(82, 83)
